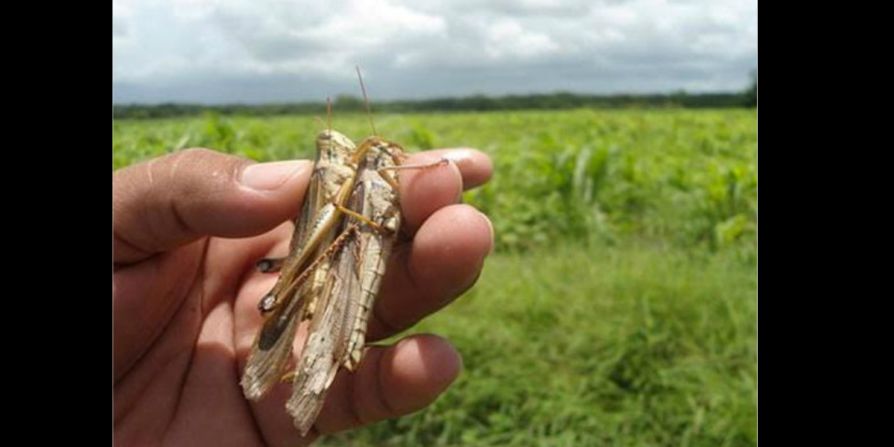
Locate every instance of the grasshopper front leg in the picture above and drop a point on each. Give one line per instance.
(388, 178)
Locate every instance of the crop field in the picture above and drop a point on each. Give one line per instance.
(620, 305)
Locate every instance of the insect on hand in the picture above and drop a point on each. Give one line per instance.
(341, 244)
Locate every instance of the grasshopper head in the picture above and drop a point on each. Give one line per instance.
(396, 153)
(334, 146)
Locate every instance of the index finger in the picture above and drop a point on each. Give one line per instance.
(424, 191)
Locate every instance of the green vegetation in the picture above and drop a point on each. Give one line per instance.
(627, 346)
(619, 308)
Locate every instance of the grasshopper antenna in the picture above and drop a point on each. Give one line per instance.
(366, 101)
(329, 114)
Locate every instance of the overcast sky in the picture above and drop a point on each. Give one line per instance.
(255, 51)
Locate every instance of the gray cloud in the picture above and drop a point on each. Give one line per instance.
(260, 51)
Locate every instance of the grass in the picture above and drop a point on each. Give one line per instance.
(620, 306)
(624, 345)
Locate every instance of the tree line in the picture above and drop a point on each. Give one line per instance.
(746, 98)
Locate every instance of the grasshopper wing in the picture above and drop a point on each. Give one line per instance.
(327, 341)
(331, 170)
(271, 351)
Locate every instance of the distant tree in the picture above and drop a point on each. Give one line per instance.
(348, 103)
(554, 101)
(751, 93)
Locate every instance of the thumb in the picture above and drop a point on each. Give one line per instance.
(172, 200)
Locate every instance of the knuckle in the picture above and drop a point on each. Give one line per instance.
(198, 152)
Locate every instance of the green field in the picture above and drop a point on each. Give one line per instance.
(620, 306)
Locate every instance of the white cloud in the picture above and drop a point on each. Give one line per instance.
(507, 39)
(244, 50)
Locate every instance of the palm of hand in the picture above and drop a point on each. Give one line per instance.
(185, 320)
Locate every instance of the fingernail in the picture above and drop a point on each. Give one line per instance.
(268, 176)
(458, 156)
(491, 226)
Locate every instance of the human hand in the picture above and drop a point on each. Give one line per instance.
(187, 231)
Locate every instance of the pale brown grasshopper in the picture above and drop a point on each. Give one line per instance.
(342, 258)
(316, 227)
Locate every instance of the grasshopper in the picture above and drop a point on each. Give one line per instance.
(333, 272)
(336, 336)
(334, 174)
